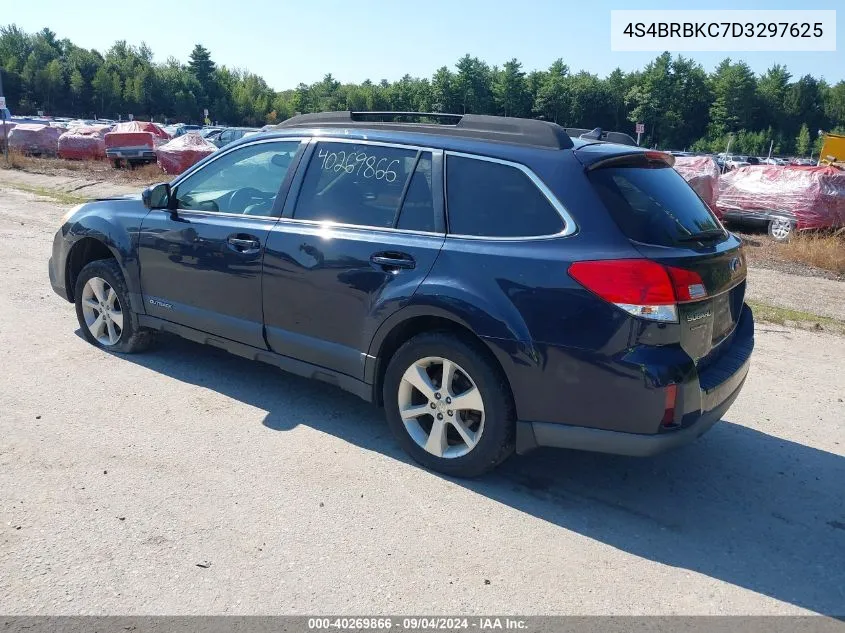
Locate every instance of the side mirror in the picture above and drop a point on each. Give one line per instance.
(157, 196)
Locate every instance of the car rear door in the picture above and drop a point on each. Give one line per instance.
(351, 248)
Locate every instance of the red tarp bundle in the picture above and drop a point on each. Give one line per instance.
(136, 134)
(183, 152)
(83, 143)
(34, 138)
(702, 173)
(814, 196)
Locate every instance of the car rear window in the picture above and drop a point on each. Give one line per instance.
(653, 205)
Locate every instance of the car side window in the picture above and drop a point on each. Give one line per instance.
(364, 185)
(243, 181)
(417, 212)
(488, 199)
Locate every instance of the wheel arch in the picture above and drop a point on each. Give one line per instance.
(406, 324)
(84, 251)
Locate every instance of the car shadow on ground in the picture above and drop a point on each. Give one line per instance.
(739, 505)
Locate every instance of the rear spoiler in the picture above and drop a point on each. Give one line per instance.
(648, 158)
(597, 134)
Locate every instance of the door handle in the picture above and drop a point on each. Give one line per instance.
(246, 245)
(393, 261)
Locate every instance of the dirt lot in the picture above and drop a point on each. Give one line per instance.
(187, 481)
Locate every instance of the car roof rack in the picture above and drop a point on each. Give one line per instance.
(528, 132)
(597, 134)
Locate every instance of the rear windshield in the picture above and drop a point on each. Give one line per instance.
(653, 205)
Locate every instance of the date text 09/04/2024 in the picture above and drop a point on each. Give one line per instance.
(418, 623)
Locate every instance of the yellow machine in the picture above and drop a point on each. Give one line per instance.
(833, 150)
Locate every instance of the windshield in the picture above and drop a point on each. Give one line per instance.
(654, 205)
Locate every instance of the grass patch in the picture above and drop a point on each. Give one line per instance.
(97, 170)
(58, 196)
(826, 251)
(796, 318)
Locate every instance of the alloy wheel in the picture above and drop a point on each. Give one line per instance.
(781, 228)
(441, 407)
(102, 311)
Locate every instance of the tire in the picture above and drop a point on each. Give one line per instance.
(781, 229)
(130, 337)
(473, 367)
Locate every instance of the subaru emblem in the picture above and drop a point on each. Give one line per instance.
(735, 264)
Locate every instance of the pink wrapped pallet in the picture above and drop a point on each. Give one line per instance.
(34, 138)
(702, 174)
(83, 143)
(134, 141)
(183, 152)
(784, 197)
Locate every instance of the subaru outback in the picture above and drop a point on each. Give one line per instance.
(495, 284)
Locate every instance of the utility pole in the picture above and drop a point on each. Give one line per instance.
(771, 144)
(3, 119)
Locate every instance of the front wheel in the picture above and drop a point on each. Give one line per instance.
(449, 405)
(103, 311)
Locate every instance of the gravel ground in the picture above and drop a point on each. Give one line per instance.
(815, 295)
(187, 481)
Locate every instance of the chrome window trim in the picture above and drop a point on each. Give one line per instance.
(569, 225)
(327, 224)
(354, 141)
(219, 154)
(223, 214)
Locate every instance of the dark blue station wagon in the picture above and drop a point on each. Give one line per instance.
(494, 283)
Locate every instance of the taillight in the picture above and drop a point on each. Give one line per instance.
(641, 287)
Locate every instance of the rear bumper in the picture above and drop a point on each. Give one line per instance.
(718, 385)
(134, 153)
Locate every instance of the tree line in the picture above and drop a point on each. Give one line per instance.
(681, 105)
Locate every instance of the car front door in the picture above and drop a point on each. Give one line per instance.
(363, 232)
(201, 261)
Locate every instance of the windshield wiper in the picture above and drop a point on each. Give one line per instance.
(703, 236)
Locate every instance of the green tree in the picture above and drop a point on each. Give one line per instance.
(802, 141)
(553, 101)
(734, 87)
(443, 91)
(510, 90)
(473, 85)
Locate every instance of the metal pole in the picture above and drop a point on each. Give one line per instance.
(638, 138)
(5, 129)
(770, 148)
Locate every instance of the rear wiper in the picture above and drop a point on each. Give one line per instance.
(703, 236)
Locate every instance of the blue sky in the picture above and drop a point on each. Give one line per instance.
(288, 42)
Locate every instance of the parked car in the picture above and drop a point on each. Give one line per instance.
(230, 135)
(495, 284)
(134, 142)
(180, 129)
(734, 161)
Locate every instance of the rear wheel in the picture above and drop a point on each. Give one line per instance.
(448, 405)
(102, 308)
(781, 229)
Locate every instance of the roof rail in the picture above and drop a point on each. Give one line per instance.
(596, 134)
(529, 132)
